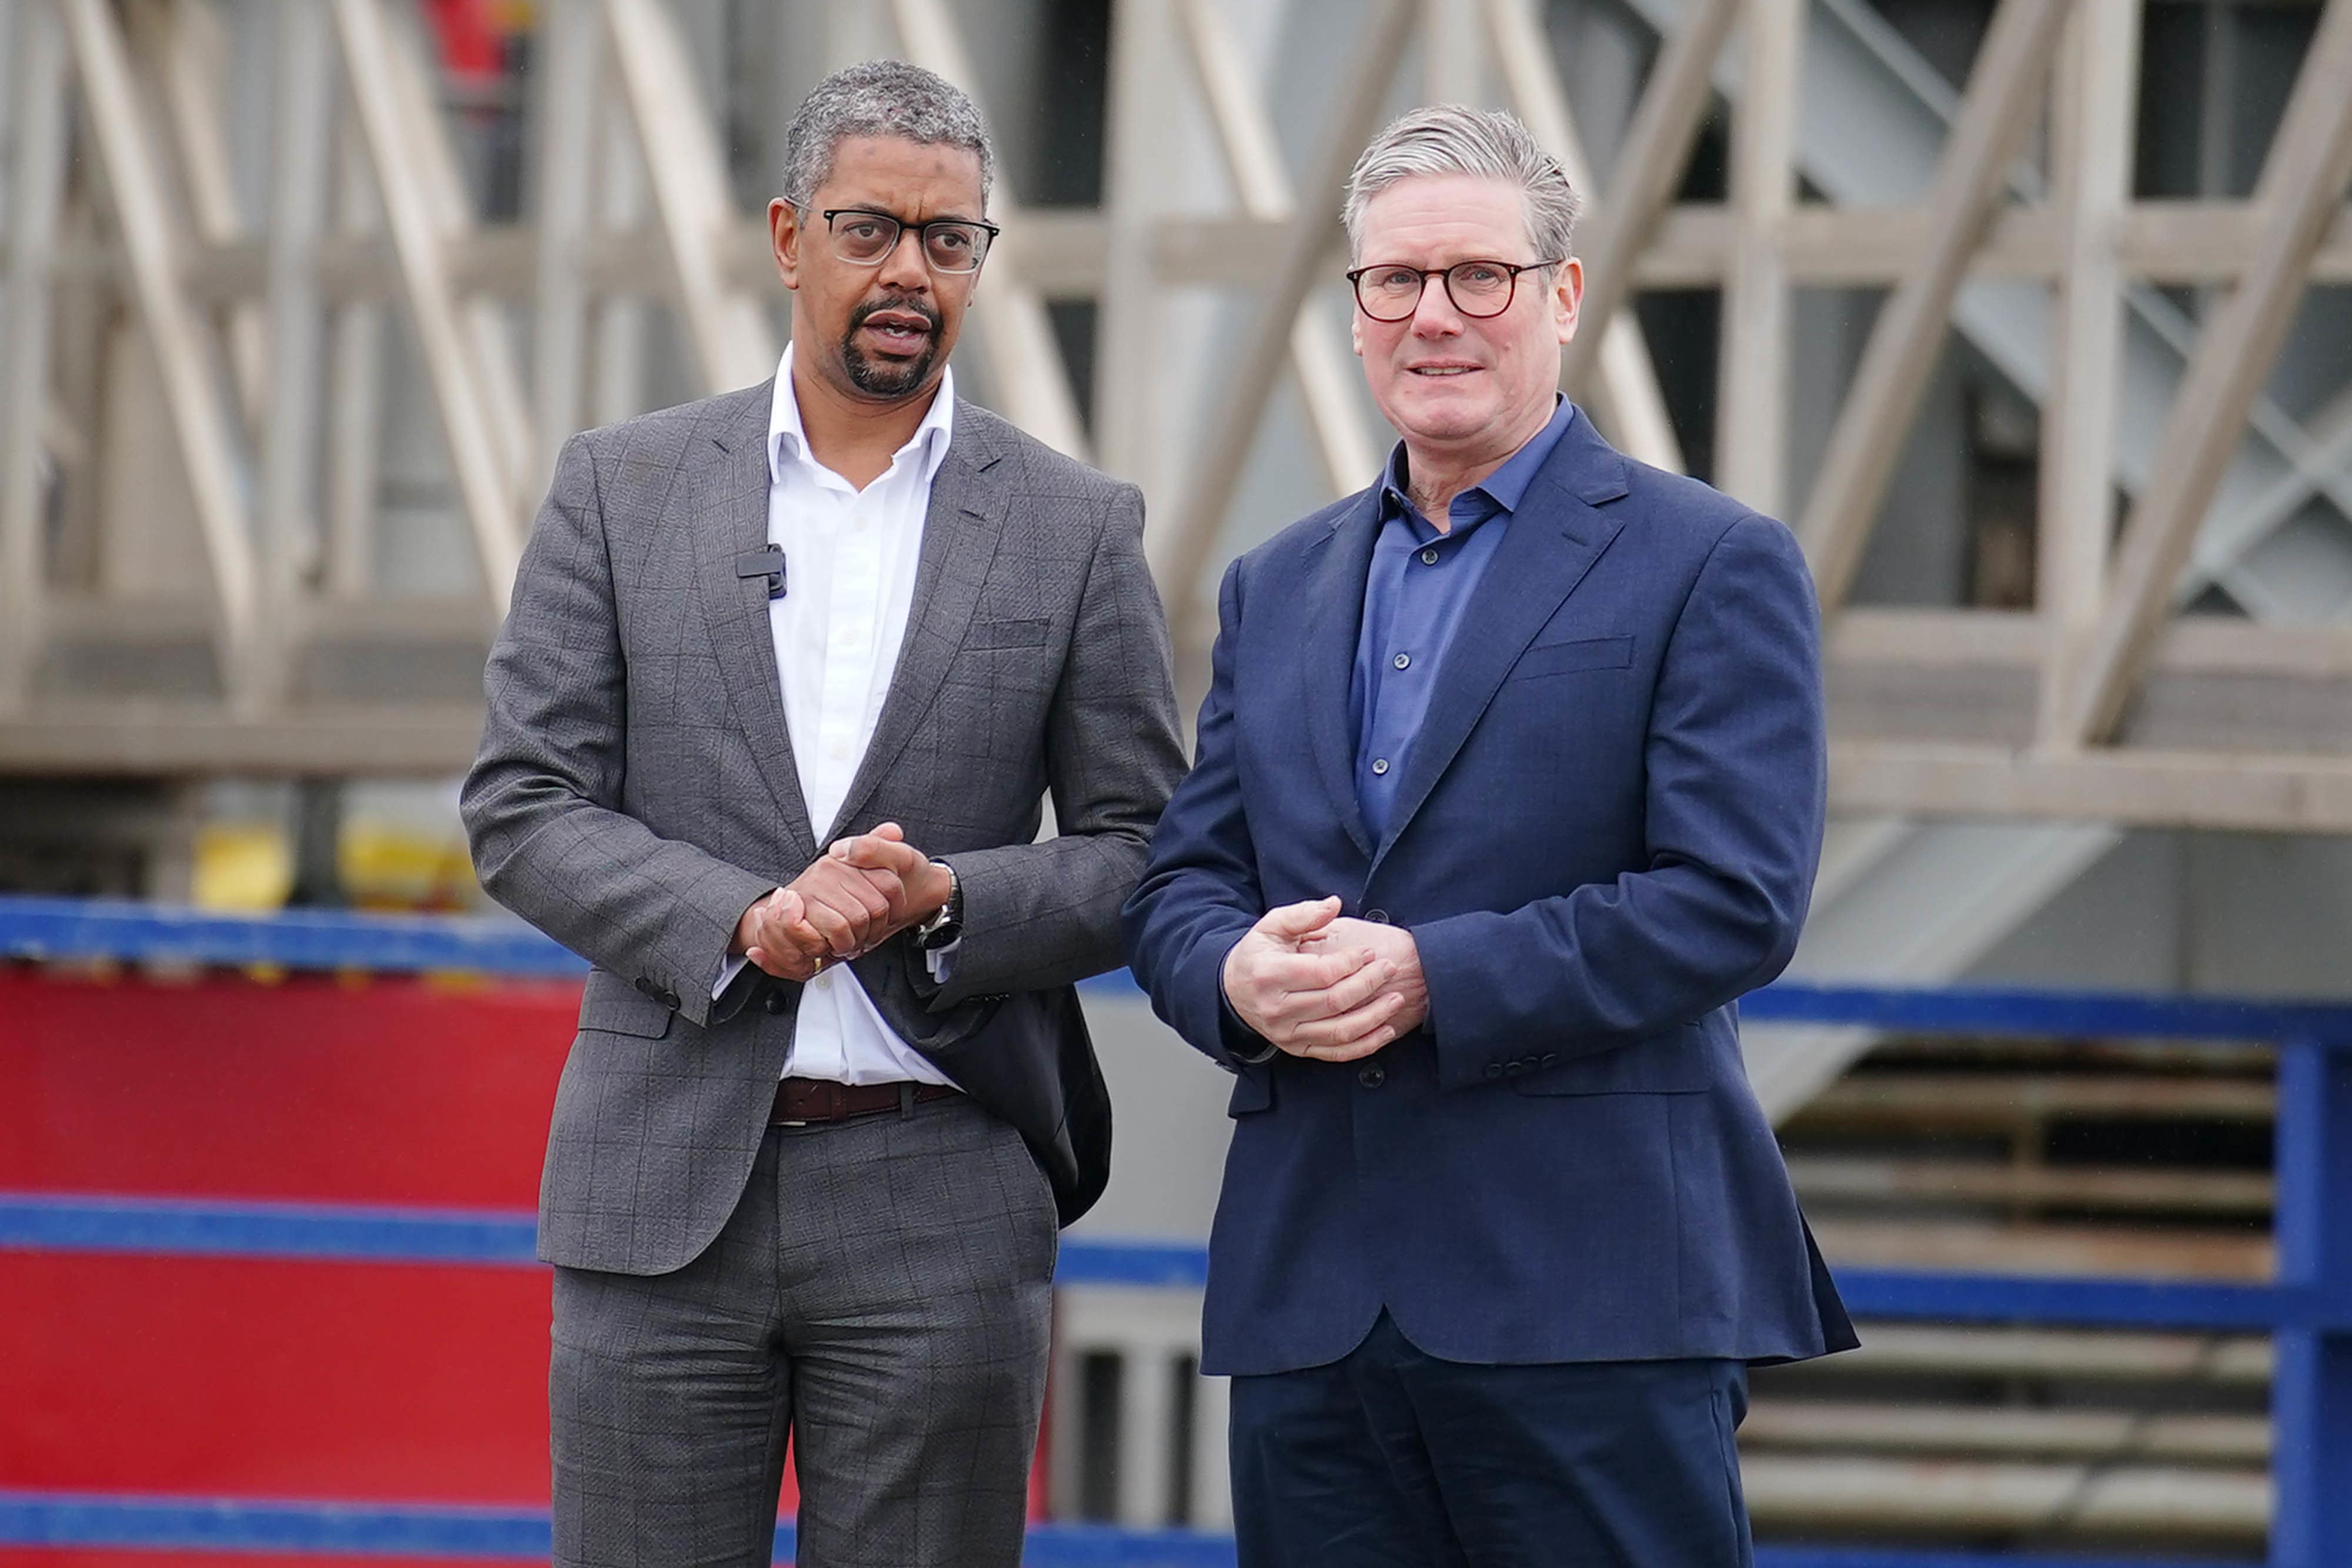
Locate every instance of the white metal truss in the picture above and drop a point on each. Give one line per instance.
(269, 342)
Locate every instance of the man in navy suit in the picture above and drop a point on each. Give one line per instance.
(1509, 784)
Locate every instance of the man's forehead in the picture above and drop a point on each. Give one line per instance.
(1444, 210)
(911, 178)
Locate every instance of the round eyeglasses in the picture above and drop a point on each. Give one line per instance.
(865, 237)
(1391, 291)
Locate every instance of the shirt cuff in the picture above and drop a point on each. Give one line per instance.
(941, 961)
(727, 969)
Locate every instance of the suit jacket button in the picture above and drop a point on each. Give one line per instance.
(775, 1002)
(1549, 1058)
(1377, 916)
(1494, 1070)
(669, 1000)
(645, 986)
(1372, 1077)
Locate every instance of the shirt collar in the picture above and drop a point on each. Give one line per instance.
(930, 441)
(1505, 487)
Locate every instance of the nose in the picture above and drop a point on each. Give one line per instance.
(1434, 315)
(904, 269)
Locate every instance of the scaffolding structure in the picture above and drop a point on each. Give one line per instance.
(191, 408)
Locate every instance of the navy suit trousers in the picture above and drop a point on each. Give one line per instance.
(1391, 1458)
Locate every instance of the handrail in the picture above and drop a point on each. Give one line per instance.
(66, 929)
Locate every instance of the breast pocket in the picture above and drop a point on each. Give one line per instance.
(1568, 658)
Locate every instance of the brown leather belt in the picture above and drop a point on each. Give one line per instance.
(801, 1101)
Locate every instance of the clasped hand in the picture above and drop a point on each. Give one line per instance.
(1319, 986)
(858, 894)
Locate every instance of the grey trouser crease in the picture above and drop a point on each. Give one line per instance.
(882, 1298)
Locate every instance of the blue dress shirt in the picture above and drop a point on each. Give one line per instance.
(1420, 584)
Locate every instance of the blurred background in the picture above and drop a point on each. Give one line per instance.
(2031, 318)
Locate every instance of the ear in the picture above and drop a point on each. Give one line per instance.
(1354, 328)
(1567, 296)
(784, 239)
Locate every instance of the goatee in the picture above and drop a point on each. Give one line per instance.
(889, 377)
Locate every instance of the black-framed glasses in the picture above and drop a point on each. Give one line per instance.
(865, 237)
(1391, 291)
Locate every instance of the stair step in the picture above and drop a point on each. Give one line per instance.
(1951, 1496)
(1860, 1178)
(1999, 1103)
(2106, 1435)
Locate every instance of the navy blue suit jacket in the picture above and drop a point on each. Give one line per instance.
(1607, 832)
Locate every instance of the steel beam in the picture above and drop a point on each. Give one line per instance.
(1014, 331)
(1649, 170)
(299, 210)
(205, 428)
(733, 343)
(1625, 389)
(572, 37)
(392, 136)
(1329, 382)
(1906, 341)
(1180, 552)
(1752, 427)
(2096, 98)
(36, 189)
(2130, 787)
(2301, 191)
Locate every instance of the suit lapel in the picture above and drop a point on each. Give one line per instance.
(1550, 543)
(970, 498)
(731, 520)
(1335, 614)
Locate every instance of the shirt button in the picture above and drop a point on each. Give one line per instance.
(838, 751)
(1404, 660)
(1429, 556)
(1380, 765)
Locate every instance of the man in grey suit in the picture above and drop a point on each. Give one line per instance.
(786, 678)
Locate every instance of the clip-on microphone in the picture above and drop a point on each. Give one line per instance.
(768, 563)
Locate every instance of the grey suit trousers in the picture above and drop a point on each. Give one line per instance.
(881, 1297)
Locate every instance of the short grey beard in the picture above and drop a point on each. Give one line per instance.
(887, 381)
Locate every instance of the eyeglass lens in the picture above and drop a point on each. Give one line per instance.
(948, 246)
(1476, 288)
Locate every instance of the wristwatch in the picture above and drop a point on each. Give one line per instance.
(946, 923)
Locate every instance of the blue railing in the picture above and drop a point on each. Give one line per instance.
(2307, 1309)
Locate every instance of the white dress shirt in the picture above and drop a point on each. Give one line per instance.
(849, 585)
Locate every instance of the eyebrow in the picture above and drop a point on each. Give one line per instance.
(883, 212)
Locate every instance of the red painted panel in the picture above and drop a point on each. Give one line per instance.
(219, 1377)
(268, 1379)
(362, 1091)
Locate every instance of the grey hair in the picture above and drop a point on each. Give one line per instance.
(880, 97)
(1451, 139)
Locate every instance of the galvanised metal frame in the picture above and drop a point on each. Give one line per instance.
(266, 342)
(2307, 1311)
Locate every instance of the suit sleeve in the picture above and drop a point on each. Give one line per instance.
(1736, 766)
(543, 805)
(1043, 914)
(1201, 895)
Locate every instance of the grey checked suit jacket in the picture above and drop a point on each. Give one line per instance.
(636, 791)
